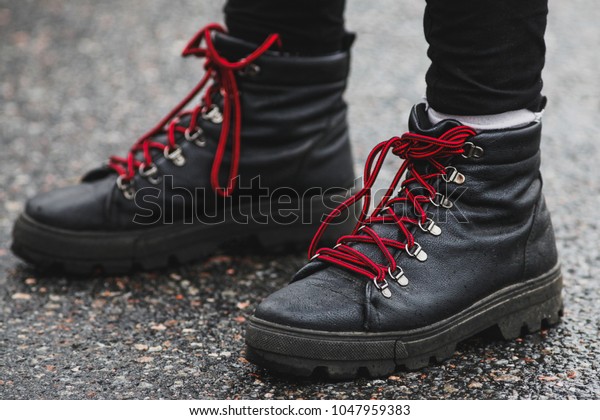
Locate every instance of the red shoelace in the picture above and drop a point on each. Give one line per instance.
(222, 73)
(412, 148)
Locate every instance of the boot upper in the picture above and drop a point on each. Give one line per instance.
(293, 134)
(496, 233)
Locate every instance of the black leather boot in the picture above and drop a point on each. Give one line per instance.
(465, 245)
(263, 155)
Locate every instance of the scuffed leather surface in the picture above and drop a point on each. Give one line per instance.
(497, 233)
(294, 134)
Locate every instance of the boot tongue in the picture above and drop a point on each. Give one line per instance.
(162, 138)
(232, 49)
(418, 123)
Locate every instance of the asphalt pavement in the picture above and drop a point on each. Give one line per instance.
(80, 80)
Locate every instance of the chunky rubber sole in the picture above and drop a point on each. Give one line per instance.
(149, 248)
(516, 309)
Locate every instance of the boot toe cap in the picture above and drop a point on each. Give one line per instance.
(76, 207)
(317, 303)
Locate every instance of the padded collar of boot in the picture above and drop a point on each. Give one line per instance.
(500, 146)
(278, 68)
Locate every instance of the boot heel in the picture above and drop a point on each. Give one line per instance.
(295, 238)
(300, 235)
(532, 319)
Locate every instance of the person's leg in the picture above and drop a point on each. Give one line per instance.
(307, 27)
(464, 245)
(271, 119)
(486, 60)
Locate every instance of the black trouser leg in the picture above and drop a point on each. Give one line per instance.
(486, 55)
(308, 27)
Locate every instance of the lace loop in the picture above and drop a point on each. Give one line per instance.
(411, 147)
(222, 73)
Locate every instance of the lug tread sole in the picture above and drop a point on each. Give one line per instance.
(87, 252)
(514, 312)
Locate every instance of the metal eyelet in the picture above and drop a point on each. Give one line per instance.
(197, 137)
(398, 276)
(175, 155)
(383, 287)
(416, 252)
(213, 114)
(443, 201)
(431, 227)
(452, 175)
(126, 187)
(472, 151)
(251, 70)
(149, 172)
